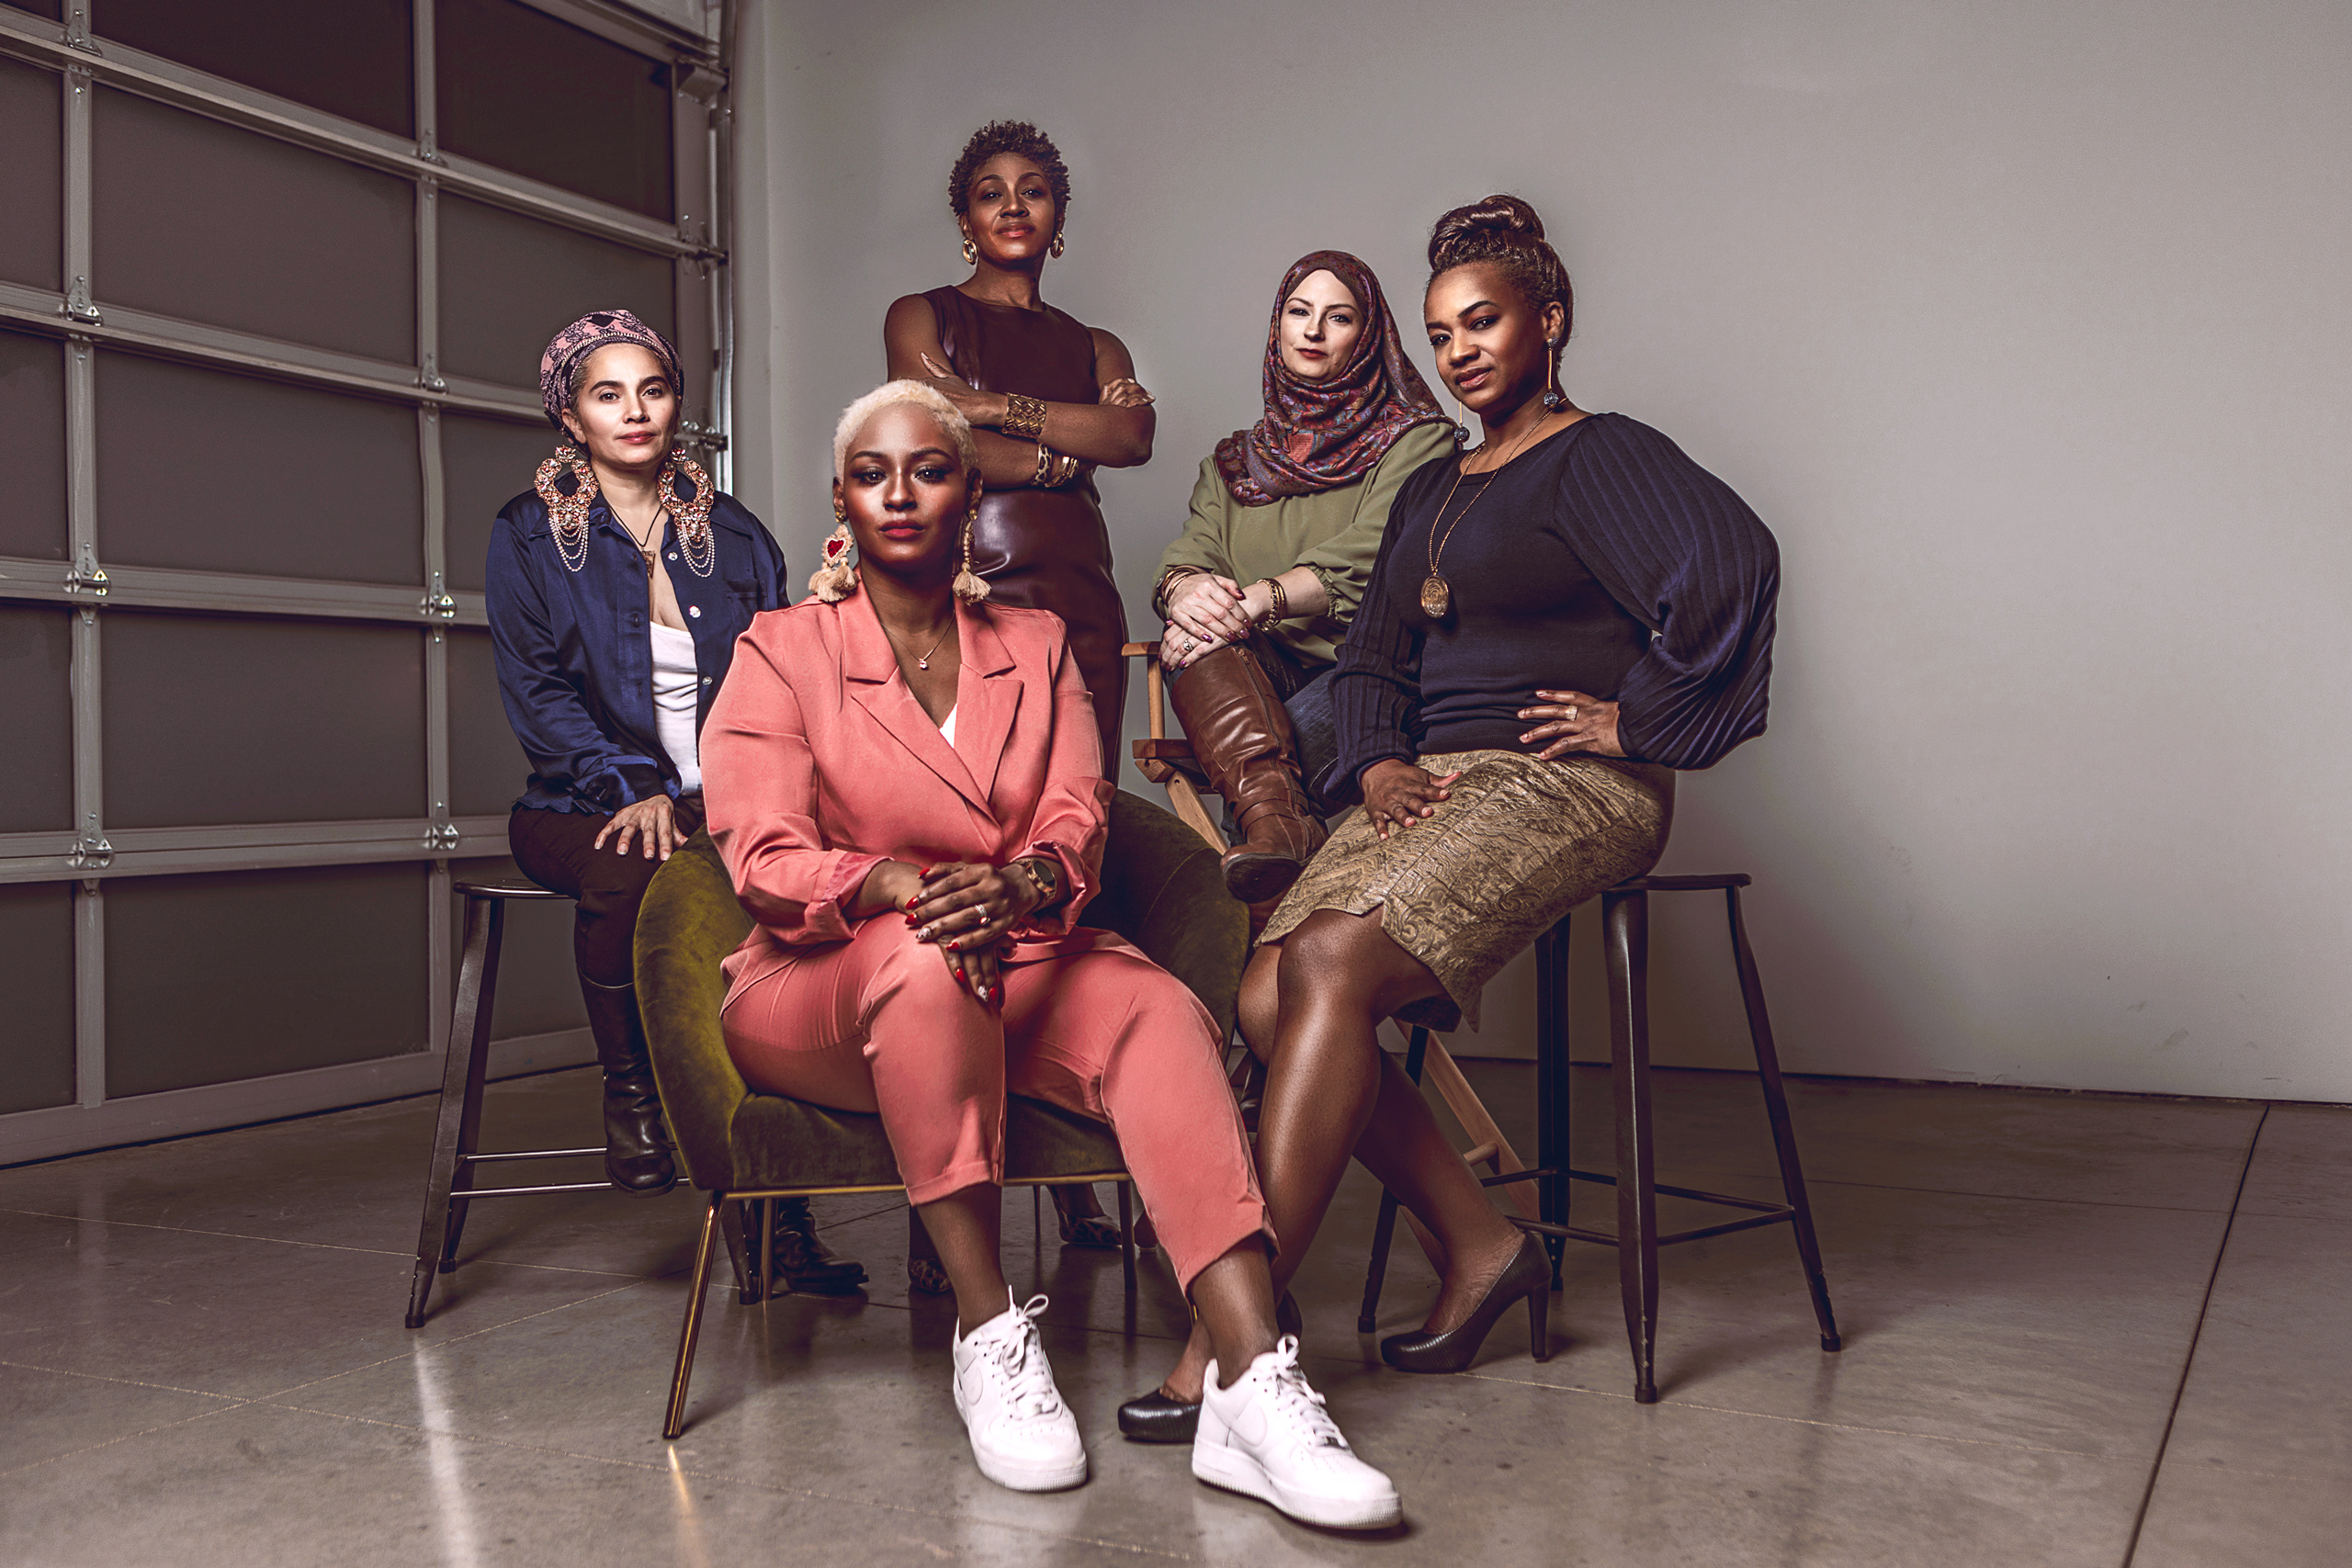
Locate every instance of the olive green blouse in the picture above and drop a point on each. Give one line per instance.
(1333, 533)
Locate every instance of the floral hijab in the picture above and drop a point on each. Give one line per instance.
(1319, 435)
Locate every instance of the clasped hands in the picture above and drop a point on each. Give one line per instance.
(1206, 612)
(966, 908)
(1397, 794)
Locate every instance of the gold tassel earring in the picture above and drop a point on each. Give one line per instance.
(837, 578)
(969, 586)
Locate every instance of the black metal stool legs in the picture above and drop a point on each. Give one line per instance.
(1551, 1078)
(1626, 937)
(458, 1123)
(449, 1187)
(1784, 1142)
(1384, 1230)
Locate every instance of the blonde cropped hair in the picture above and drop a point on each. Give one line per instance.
(929, 399)
(837, 578)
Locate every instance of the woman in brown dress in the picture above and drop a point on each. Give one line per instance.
(1050, 400)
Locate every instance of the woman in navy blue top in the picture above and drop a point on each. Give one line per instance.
(616, 587)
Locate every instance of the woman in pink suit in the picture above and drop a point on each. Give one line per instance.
(907, 786)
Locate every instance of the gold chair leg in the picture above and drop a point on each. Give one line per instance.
(676, 1421)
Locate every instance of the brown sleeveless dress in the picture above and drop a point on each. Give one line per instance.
(1044, 550)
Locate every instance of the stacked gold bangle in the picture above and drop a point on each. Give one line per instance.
(1167, 581)
(1054, 469)
(1024, 418)
(1279, 609)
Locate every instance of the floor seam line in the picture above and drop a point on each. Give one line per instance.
(677, 1468)
(410, 1354)
(2189, 1362)
(1796, 1420)
(324, 1246)
(2000, 1197)
(127, 1382)
(129, 1437)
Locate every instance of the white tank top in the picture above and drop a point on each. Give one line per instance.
(948, 726)
(676, 684)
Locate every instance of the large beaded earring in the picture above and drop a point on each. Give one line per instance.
(1552, 396)
(969, 586)
(971, 251)
(836, 580)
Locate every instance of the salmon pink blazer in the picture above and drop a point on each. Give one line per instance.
(819, 764)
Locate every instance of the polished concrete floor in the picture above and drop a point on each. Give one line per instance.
(2080, 1329)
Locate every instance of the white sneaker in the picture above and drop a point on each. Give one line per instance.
(1269, 1437)
(1022, 1436)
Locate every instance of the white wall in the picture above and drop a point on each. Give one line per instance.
(2024, 327)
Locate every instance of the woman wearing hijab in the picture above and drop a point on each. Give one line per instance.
(1287, 515)
(615, 589)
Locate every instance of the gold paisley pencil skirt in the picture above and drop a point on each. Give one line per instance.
(1518, 843)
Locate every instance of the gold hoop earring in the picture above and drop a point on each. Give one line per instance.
(834, 581)
(971, 251)
(969, 586)
(1056, 248)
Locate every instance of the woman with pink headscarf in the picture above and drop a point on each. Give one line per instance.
(1260, 587)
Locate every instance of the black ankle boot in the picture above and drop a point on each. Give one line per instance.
(636, 1145)
(805, 1264)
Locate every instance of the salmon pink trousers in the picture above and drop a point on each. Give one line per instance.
(878, 1023)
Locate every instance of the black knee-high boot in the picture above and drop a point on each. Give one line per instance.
(636, 1145)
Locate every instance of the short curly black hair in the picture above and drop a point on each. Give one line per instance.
(1022, 138)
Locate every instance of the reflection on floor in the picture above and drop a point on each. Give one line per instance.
(2080, 1330)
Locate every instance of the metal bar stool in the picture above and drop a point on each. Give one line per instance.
(449, 1181)
(1624, 912)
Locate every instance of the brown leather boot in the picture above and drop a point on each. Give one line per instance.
(1241, 734)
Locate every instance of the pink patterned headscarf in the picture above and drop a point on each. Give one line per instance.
(584, 337)
(1319, 435)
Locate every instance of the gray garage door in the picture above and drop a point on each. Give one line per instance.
(273, 279)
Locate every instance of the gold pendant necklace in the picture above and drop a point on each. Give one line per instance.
(1437, 595)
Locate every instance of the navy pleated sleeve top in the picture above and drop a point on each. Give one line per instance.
(1603, 560)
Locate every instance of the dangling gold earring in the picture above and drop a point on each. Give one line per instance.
(837, 578)
(1054, 249)
(969, 586)
(971, 251)
(1552, 396)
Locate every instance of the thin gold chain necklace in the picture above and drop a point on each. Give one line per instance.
(924, 663)
(1437, 595)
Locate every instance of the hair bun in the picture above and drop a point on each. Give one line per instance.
(1481, 229)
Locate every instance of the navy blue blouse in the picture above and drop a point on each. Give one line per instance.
(575, 653)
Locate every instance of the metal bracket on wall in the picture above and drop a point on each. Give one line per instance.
(443, 836)
(91, 578)
(90, 851)
(429, 151)
(437, 602)
(696, 434)
(78, 305)
(77, 31)
(430, 376)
